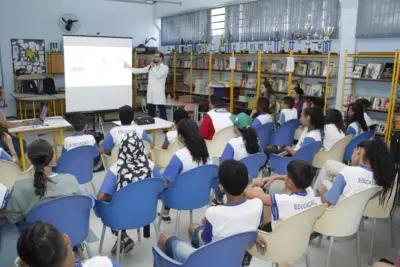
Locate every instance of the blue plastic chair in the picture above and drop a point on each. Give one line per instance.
(365, 136)
(264, 133)
(279, 164)
(190, 191)
(132, 207)
(227, 252)
(284, 136)
(70, 215)
(254, 163)
(79, 163)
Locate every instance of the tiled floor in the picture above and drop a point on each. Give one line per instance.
(344, 252)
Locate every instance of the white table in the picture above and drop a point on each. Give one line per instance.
(158, 125)
(51, 124)
(22, 99)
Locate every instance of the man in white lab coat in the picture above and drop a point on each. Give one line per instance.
(158, 73)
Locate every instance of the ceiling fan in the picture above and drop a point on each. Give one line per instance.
(69, 23)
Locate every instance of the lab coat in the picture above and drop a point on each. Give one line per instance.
(156, 84)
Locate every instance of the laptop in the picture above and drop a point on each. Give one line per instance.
(42, 117)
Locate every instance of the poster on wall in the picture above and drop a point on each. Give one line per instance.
(28, 55)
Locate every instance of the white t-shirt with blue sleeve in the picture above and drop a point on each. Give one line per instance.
(78, 140)
(181, 162)
(286, 206)
(235, 149)
(349, 181)
(287, 115)
(231, 219)
(261, 120)
(354, 129)
(331, 136)
(109, 185)
(5, 156)
(116, 134)
(308, 137)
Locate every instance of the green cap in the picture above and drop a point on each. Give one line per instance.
(242, 120)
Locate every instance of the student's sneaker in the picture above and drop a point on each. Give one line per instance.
(129, 244)
(114, 248)
(215, 202)
(247, 259)
(166, 218)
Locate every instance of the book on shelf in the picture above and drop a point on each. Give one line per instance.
(275, 66)
(239, 65)
(226, 64)
(282, 67)
(387, 71)
(373, 71)
(380, 126)
(376, 103)
(332, 70)
(301, 69)
(252, 66)
(314, 68)
(358, 70)
(264, 66)
(245, 66)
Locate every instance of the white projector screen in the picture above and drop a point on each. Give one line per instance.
(95, 77)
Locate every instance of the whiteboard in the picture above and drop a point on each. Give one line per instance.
(95, 77)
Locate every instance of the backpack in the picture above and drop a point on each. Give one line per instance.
(49, 86)
(29, 87)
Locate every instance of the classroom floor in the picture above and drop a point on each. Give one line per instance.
(343, 255)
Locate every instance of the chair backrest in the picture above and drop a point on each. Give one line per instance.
(254, 163)
(78, 162)
(284, 135)
(191, 190)
(227, 252)
(365, 136)
(11, 172)
(162, 157)
(308, 152)
(264, 133)
(335, 153)
(287, 243)
(375, 210)
(344, 218)
(133, 206)
(70, 215)
(217, 145)
(109, 160)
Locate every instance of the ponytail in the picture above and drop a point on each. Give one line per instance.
(250, 139)
(40, 182)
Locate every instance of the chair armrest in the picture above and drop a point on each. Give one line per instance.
(161, 259)
(278, 163)
(26, 174)
(161, 157)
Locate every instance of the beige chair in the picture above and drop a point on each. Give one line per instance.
(277, 110)
(375, 211)
(335, 153)
(217, 145)
(299, 131)
(286, 243)
(162, 157)
(109, 160)
(343, 220)
(11, 172)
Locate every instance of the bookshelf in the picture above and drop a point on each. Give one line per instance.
(374, 76)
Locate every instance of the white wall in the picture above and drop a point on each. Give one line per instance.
(38, 19)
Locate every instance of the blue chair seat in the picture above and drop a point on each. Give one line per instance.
(264, 133)
(362, 137)
(254, 163)
(284, 135)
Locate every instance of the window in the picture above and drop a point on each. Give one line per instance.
(218, 21)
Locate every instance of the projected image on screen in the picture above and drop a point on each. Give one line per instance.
(95, 77)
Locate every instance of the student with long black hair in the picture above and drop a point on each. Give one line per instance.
(371, 166)
(193, 155)
(334, 128)
(357, 122)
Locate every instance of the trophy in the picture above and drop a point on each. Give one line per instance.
(269, 44)
(276, 40)
(299, 37)
(283, 43)
(291, 42)
(308, 27)
(211, 46)
(328, 30)
(222, 44)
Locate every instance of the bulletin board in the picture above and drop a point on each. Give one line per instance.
(29, 55)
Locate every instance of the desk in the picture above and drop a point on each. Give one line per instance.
(60, 98)
(51, 124)
(22, 99)
(158, 125)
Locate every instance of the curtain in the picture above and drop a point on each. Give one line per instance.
(232, 14)
(378, 19)
(191, 27)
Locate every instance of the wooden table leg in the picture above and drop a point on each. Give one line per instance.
(54, 108)
(20, 109)
(55, 142)
(154, 139)
(34, 109)
(62, 137)
(26, 116)
(21, 147)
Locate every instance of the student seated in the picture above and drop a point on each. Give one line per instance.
(43, 245)
(288, 112)
(171, 136)
(357, 123)
(365, 104)
(239, 215)
(79, 138)
(263, 116)
(334, 128)
(132, 166)
(45, 185)
(116, 134)
(216, 119)
(193, 155)
(313, 120)
(371, 166)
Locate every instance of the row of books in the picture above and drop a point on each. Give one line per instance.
(247, 82)
(377, 103)
(373, 71)
(380, 126)
(279, 84)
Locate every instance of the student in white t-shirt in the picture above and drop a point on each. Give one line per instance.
(193, 155)
(334, 128)
(357, 122)
(116, 134)
(263, 116)
(79, 138)
(372, 166)
(171, 136)
(365, 104)
(239, 215)
(288, 112)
